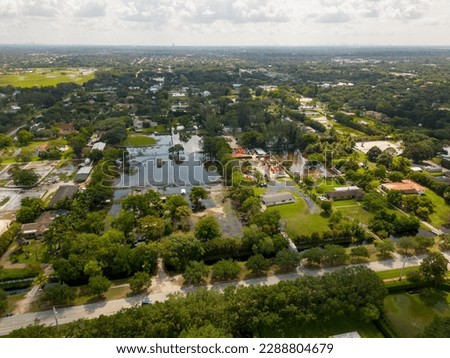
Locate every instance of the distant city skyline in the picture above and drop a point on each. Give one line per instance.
(226, 22)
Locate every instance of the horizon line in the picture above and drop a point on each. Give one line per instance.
(228, 46)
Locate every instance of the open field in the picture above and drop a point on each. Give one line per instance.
(298, 220)
(355, 212)
(441, 214)
(411, 312)
(395, 273)
(136, 140)
(339, 326)
(347, 130)
(44, 77)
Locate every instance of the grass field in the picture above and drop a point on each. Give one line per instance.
(321, 329)
(15, 274)
(355, 212)
(298, 220)
(34, 252)
(347, 130)
(395, 273)
(139, 141)
(410, 313)
(44, 77)
(441, 214)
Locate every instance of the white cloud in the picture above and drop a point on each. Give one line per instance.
(91, 9)
(40, 8)
(289, 22)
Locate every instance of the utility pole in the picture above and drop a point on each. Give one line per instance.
(56, 318)
(401, 271)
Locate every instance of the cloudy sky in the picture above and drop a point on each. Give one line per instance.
(226, 22)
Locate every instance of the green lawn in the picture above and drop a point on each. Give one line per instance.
(43, 77)
(324, 329)
(395, 273)
(137, 140)
(15, 274)
(355, 212)
(298, 220)
(347, 130)
(158, 129)
(33, 252)
(410, 313)
(441, 214)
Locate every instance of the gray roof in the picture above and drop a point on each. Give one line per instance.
(63, 192)
(84, 170)
(275, 198)
(99, 146)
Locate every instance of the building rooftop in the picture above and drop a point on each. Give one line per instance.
(275, 198)
(63, 192)
(99, 146)
(406, 186)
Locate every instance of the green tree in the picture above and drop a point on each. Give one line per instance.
(24, 137)
(258, 264)
(195, 273)
(374, 201)
(77, 143)
(57, 294)
(373, 153)
(3, 301)
(394, 197)
(434, 268)
(174, 202)
(251, 206)
(125, 222)
(444, 242)
(93, 268)
(385, 247)
(287, 259)
(25, 177)
(140, 281)
(334, 255)
(407, 243)
(360, 252)
(313, 256)
(423, 243)
(438, 328)
(207, 228)
(5, 141)
(98, 285)
(26, 215)
(152, 227)
(197, 193)
(225, 270)
(26, 154)
(326, 206)
(176, 150)
(178, 250)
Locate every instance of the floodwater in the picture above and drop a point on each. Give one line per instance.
(153, 168)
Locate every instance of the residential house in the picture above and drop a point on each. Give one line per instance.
(63, 192)
(344, 193)
(405, 187)
(277, 199)
(37, 229)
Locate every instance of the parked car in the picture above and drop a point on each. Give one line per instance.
(146, 301)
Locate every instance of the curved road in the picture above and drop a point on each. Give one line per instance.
(94, 310)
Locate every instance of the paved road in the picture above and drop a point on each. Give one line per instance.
(94, 310)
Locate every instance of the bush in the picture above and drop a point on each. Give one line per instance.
(225, 270)
(140, 281)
